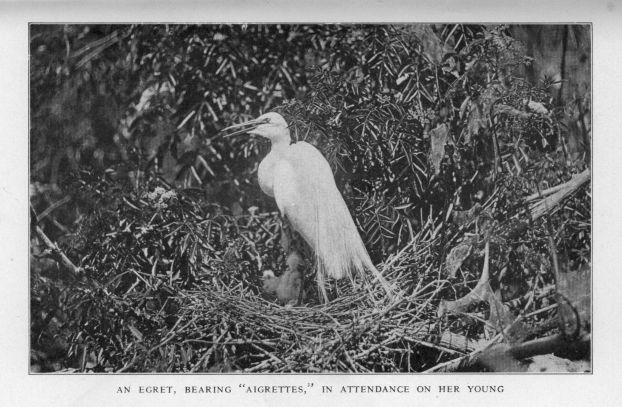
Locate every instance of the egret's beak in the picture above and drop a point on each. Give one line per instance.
(243, 127)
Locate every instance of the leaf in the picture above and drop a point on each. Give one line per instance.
(511, 111)
(135, 332)
(463, 218)
(438, 139)
(169, 167)
(479, 113)
(475, 122)
(456, 256)
(537, 107)
(463, 106)
(432, 46)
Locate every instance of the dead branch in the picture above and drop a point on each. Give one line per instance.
(546, 192)
(477, 294)
(545, 205)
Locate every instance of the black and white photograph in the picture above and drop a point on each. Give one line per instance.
(327, 203)
(310, 198)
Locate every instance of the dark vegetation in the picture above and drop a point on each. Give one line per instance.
(150, 232)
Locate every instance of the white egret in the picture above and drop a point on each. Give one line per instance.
(300, 179)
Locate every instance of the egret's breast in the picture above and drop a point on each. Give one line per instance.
(265, 173)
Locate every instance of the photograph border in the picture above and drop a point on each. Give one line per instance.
(599, 385)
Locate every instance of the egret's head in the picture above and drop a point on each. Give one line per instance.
(270, 125)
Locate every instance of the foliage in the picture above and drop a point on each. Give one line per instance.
(167, 223)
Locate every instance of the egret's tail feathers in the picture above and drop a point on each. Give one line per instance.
(338, 244)
(321, 281)
(367, 264)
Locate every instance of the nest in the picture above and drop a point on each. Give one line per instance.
(233, 328)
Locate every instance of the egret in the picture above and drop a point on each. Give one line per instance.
(301, 181)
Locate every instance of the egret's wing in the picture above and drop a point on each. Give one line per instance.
(305, 192)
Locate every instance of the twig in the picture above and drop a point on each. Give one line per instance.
(128, 365)
(208, 353)
(270, 355)
(52, 207)
(171, 334)
(95, 48)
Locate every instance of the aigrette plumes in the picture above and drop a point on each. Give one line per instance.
(302, 183)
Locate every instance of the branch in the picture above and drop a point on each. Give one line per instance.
(60, 257)
(495, 352)
(95, 48)
(455, 342)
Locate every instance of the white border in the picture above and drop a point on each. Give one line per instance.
(19, 388)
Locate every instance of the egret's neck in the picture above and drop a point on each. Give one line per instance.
(282, 140)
